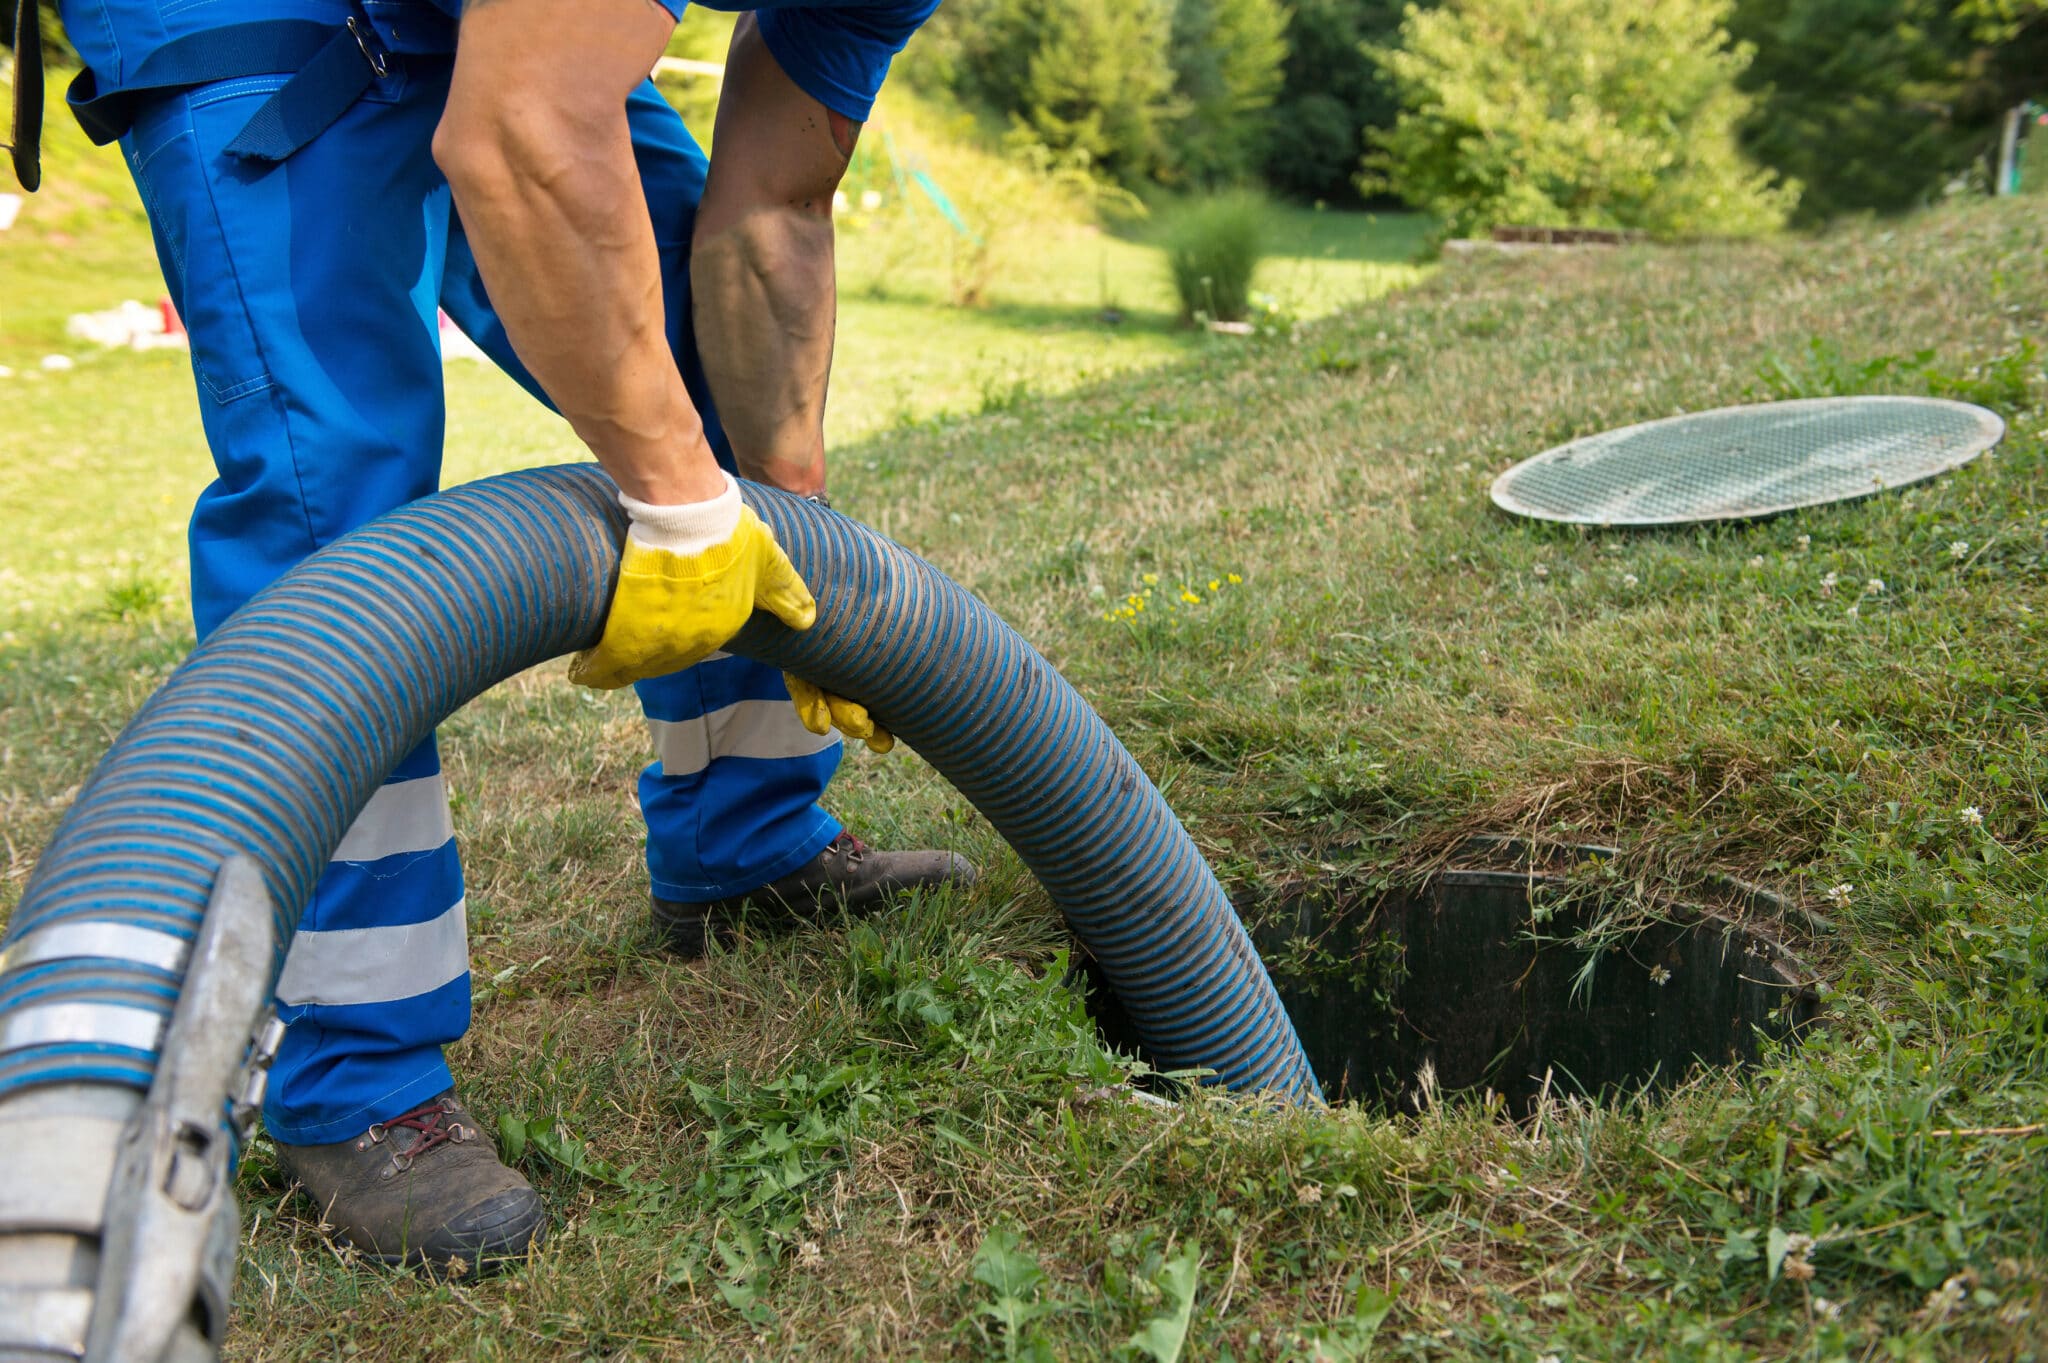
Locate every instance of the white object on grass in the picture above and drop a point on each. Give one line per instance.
(132, 324)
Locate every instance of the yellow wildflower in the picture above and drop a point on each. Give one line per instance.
(1190, 597)
(1233, 579)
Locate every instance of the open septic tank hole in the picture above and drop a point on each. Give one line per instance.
(1514, 981)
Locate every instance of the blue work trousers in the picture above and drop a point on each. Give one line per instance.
(310, 290)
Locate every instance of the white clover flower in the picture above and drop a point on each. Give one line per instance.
(1825, 1309)
(1959, 549)
(1874, 587)
(1838, 895)
(1805, 542)
(1971, 815)
(1756, 561)
(1540, 571)
(1308, 1194)
(1827, 584)
(1629, 579)
(1659, 975)
(1943, 1300)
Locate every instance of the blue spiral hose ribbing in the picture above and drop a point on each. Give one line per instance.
(278, 729)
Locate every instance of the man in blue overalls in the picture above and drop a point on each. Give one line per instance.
(321, 176)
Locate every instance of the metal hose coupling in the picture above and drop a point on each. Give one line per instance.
(118, 1237)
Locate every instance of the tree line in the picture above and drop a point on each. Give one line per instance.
(1667, 116)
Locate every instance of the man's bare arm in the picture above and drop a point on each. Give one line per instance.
(761, 270)
(536, 146)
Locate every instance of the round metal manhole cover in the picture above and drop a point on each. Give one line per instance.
(1739, 463)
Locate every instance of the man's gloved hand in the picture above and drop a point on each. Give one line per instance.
(822, 712)
(689, 579)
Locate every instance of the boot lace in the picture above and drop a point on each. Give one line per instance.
(848, 846)
(433, 1124)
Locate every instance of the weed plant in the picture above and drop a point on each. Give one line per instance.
(1213, 248)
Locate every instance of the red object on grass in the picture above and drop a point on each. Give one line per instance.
(174, 325)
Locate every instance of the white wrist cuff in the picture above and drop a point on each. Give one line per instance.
(687, 529)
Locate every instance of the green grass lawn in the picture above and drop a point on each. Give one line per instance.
(906, 353)
(888, 1140)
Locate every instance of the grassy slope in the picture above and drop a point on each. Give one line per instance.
(800, 1147)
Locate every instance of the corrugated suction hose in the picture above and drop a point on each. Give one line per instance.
(277, 731)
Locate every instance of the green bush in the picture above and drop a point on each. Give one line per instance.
(1599, 113)
(1213, 246)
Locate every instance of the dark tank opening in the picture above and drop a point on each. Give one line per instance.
(1511, 980)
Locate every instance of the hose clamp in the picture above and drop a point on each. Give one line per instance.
(103, 941)
(99, 1024)
(43, 1321)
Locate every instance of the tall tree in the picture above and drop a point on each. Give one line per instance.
(1331, 93)
(1228, 58)
(1091, 78)
(1876, 104)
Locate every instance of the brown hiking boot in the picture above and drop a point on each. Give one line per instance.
(848, 874)
(425, 1187)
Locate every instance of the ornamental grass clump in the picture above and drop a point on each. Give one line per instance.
(1213, 246)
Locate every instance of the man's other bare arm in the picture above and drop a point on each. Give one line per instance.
(761, 271)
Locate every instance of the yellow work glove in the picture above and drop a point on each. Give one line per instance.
(689, 579)
(822, 712)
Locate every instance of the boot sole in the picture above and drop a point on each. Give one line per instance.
(482, 1254)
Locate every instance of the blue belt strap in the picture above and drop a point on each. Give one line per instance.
(320, 93)
(332, 66)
